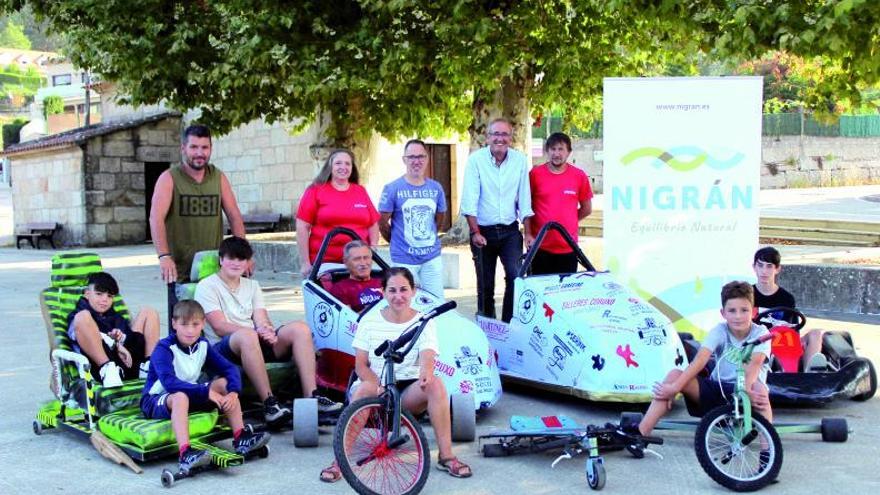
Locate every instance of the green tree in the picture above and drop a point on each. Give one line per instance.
(12, 36)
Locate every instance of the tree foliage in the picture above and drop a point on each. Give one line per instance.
(426, 67)
(843, 32)
(12, 36)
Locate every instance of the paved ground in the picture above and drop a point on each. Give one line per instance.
(57, 462)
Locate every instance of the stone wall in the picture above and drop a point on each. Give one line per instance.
(268, 167)
(787, 161)
(48, 187)
(114, 180)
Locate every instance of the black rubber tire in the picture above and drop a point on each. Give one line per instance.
(628, 419)
(464, 417)
(872, 389)
(596, 476)
(305, 423)
(709, 461)
(167, 478)
(38, 427)
(834, 430)
(408, 426)
(495, 450)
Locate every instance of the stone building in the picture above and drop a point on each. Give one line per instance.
(95, 181)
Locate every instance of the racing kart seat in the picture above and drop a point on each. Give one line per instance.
(69, 384)
(786, 348)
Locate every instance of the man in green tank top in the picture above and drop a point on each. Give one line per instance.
(185, 217)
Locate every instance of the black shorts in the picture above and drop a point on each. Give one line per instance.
(710, 396)
(135, 344)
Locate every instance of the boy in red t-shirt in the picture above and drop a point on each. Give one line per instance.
(561, 193)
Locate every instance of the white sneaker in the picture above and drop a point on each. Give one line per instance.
(817, 363)
(111, 375)
(144, 369)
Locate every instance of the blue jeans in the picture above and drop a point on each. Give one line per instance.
(505, 242)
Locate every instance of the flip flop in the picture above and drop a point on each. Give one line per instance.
(455, 468)
(331, 473)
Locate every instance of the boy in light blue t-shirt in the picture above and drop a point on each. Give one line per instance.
(415, 206)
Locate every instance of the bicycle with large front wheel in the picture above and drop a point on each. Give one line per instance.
(737, 449)
(381, 448)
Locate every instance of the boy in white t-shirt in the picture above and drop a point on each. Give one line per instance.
(241, 331)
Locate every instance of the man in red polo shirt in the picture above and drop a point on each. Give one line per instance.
(359, 289)
(561, 193)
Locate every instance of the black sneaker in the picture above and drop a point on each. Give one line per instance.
(193, 458)
(274, 412)
(248, 442)
(326, 405)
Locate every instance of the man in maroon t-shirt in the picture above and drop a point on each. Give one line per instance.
(561, 193)
(359, 289)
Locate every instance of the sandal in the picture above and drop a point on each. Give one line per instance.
(331, 473)
(455, 468)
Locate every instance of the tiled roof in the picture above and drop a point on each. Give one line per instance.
(82, 134)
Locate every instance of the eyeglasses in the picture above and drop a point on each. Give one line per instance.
(499, 134)
(413, 158)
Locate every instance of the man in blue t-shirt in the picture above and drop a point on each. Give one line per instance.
(415, 206)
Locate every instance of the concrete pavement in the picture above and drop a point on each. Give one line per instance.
(59, 462)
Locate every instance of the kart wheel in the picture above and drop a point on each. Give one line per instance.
(736, 459)
(495, 450)
(834, 430)
(872, 384)
(630, 420)
(596, 474)
(38, 427)
(368, 463)
(464, 417)
(167, 478)
(305, 422)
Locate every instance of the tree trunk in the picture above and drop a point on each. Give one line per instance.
(511, 102)
(337, 130)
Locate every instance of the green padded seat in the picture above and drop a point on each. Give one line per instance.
(70, 271)
(129, 427)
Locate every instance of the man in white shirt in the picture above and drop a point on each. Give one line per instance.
(241, 331)
(495, 197)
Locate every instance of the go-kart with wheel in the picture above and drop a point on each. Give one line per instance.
(843, 375)
(583, 334)
(466, 362)
(379, 446)
(108, 416)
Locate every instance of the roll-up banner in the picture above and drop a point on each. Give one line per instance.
(681, 180)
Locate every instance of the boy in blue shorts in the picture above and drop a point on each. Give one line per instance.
(703, 394)
(173, 387)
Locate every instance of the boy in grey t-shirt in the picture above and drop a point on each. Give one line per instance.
(415, 207)
(703, 394)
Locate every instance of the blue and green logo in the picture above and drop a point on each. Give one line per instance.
(682, 158)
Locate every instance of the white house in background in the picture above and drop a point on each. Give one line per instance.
(70, 84)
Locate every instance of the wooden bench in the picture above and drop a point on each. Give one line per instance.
(34, 232)
(259, 222)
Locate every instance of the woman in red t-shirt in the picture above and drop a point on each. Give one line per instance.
(335, 199)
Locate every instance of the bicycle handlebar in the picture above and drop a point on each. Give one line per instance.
(412, 333)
